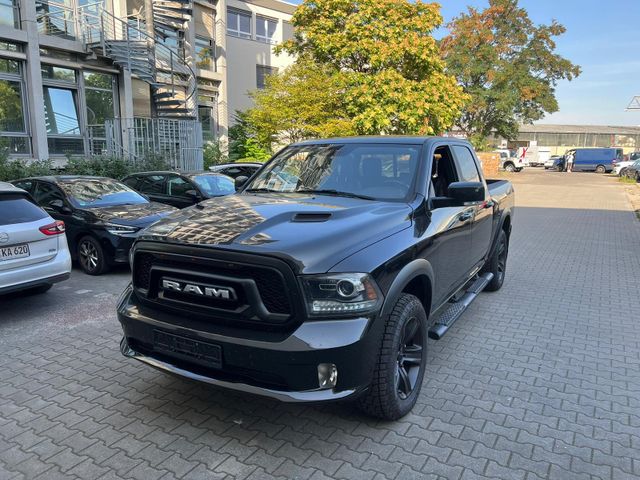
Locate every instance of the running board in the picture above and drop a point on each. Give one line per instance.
(455, 311)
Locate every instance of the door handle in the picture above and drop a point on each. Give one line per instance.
(463, 217)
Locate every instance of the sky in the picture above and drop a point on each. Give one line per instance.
(603, 38)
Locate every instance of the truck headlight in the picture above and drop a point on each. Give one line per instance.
(340, 294)
(115, 229)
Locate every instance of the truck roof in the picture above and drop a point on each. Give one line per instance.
(381, 139)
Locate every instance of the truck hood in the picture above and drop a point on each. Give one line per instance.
(311, 232)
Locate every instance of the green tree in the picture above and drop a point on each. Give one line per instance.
(246, 143)
(507, 65)
(364, 67)
(305, 101)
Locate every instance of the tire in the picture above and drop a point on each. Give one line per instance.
(91, 256)
(399, 369)
(623, 172)
(497, 264)
(600, 169)
(518, 170)
(509, 167)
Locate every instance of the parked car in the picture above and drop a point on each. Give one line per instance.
(33, 248)
(324, 288)
(181, 189)
(102, 216)
(508, 162)
(633, 171)
(621, 167)
(599, 160)
(551, 162)
(235, 170)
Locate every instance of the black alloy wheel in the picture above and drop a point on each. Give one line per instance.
(409, 357)
(497, 264)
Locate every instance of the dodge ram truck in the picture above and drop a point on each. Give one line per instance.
(323, 276)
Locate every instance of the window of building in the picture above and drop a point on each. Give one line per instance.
(9, 14)
(239, 23)
(10, 46)
(61, 111)
(207, 117)
(262, 71)
(13, 128)
(56, 18)
(51, 72)
(266, 29)
(101, 106)
(205, 53)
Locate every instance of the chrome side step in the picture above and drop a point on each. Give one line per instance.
(455, 311)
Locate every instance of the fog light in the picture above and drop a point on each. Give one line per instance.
(327, 375)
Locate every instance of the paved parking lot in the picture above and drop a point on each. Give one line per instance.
(539, 380)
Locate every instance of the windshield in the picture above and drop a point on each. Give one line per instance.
(99, 192)
(215, 185)
(376, 171)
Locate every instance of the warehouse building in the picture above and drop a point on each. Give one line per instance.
(124, 77)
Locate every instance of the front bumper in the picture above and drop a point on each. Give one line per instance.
(283, 367)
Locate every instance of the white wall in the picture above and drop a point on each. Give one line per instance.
(244, 54)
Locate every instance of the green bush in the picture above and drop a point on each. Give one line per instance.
(14, 169)
(114, 167)
(213, 155)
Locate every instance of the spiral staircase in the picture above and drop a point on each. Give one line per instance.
(130, 45)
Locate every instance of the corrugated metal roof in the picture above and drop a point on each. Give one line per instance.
(604, 129)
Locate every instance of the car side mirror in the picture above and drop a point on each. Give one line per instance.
(240, 181)
(59, 206)
(466, 192)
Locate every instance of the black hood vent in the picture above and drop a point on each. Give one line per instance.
(311, 217)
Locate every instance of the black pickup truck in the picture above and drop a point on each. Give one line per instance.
(322, 278)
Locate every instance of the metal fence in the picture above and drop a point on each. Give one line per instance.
(178, 141)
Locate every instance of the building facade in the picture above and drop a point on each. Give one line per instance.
(127, 77)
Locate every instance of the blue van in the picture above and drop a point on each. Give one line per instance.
(599, 160)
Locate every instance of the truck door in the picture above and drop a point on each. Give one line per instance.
(449, 231)
(481, 226)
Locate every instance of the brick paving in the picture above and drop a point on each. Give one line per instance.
(539, 380)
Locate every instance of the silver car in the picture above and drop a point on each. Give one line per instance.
(33, 247)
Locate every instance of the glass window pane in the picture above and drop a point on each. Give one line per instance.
(8, 14)
(232, 20)
(261, 30)
(55, 20)
(16, 208)
(65, 146)
(99, 106)
(58, 73)
(9, 46)
(206, 117)
(11, 114)
(60, 111)
(15, 145)
(98, 80)
(9, 66)
(177, 187)
(271, 29)
(245, 24)
(467, 165)
(204, 53)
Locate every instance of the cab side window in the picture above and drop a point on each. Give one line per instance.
(131, 182)
(443, 171)
(28, 185)
(466, 164)
(178, 187)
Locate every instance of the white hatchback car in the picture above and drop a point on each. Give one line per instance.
(33, 246)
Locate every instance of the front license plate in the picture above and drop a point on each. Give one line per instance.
(14, 251)
(203, 351)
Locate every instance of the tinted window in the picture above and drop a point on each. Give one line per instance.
(468, 172)
(131, 182)
(151, 184)
(47, 193)
(100, 192)
(215, 185)
(381, 171)
(27, 185)
(17, 209)
(178, 187)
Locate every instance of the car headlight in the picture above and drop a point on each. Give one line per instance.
(340, 294)
(116, 229)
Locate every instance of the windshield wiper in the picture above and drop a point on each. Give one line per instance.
(338, 193)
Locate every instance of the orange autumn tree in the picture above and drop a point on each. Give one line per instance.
(508, 67)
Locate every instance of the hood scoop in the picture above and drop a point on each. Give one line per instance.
(311, 217)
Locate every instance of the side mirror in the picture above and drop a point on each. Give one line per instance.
(59, 206)
(465, 192)
(240, 181)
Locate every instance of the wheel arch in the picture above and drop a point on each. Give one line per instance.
(415, 278)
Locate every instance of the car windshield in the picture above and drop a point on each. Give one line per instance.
(371, 171)
(215, 185)
(99, 192)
